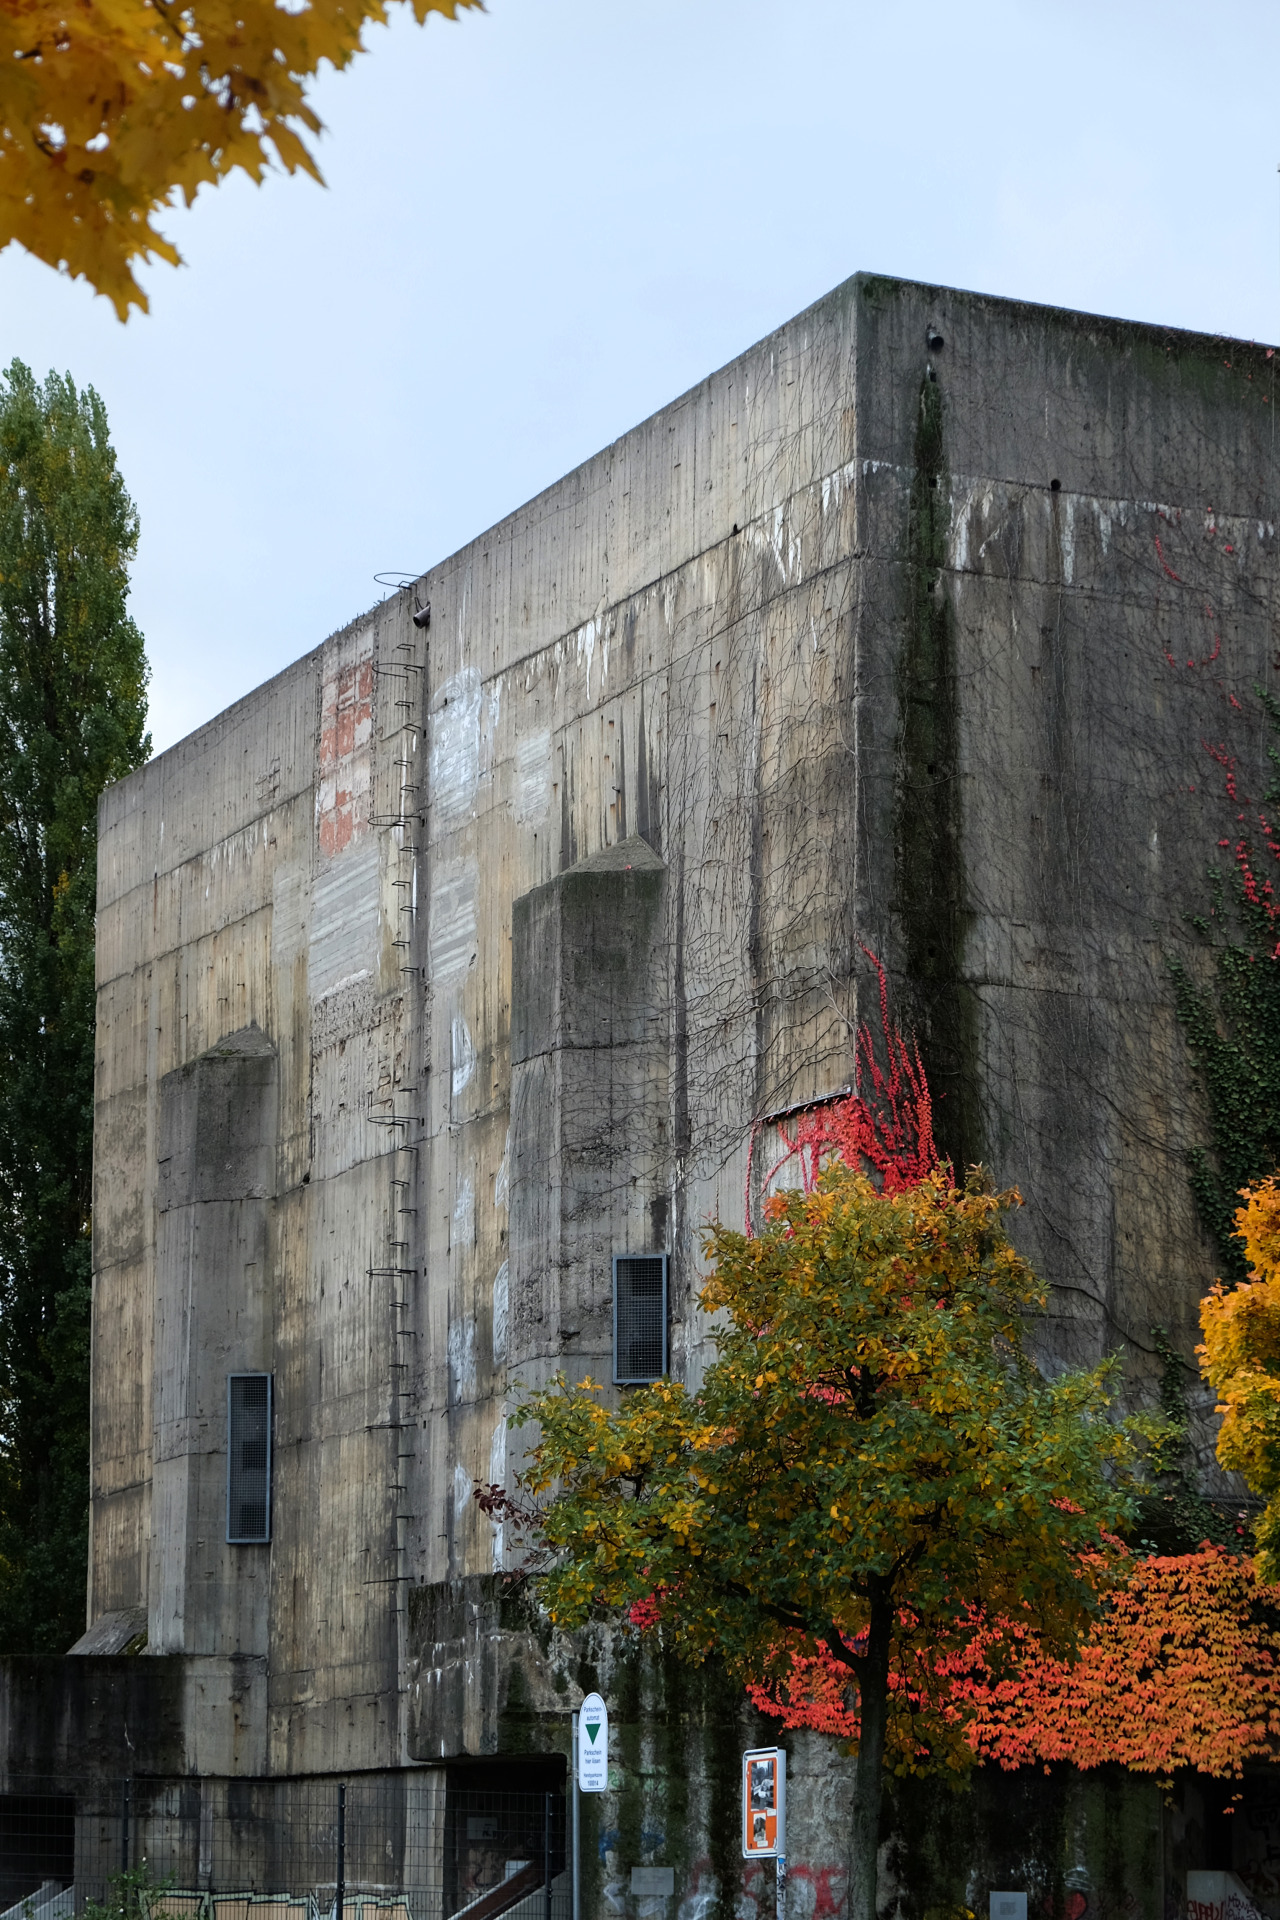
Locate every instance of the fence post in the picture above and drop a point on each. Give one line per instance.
(126, 1800)
(340, 1893)
(546, 1854)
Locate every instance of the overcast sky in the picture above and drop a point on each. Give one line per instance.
(546, 220)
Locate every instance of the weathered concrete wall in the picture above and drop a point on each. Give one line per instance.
(1091, 609)
(490, 1678)
(906, 629)
(253, 1018)
(213, 1316)
(589, 1172)
(1100, 1845)
(64, 1719)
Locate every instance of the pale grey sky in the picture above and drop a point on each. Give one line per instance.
(545, 221)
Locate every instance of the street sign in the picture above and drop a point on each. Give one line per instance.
(764, 1804)
(593, 1745)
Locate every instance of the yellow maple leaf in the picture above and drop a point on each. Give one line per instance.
(113, 110)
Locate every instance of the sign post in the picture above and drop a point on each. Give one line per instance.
(593, 1745)
(575, 1882)
(590, 1770)
(764, 1812)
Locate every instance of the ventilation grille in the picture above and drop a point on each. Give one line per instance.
(639, 1318)
(248, 1457)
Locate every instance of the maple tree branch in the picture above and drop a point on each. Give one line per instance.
(835, 1640)
(790, 1617)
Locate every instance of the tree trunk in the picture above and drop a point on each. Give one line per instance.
(873, 1687)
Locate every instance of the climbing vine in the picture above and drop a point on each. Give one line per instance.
(883, 1125)
(1173, 1517)
(1232, 1018)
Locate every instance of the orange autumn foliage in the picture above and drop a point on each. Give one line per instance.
(1183, 1670)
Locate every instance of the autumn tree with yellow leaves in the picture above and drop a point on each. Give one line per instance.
(871, 1459)
(1241, 1359)
(113, 110)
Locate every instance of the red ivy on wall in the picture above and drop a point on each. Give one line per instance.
(884, 1124)
(1183, 1670)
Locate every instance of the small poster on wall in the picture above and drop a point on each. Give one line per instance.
(764, 1803)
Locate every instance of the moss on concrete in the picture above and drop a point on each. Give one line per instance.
(930, 884)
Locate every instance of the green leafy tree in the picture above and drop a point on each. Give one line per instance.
(72, 713)
(871, 1462)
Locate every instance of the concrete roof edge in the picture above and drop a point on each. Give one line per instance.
(863, 281)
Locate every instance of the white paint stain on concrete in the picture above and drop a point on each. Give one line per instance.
(1068, 538)
(462, 1055)
(973, 500)
(492, 715)
(462, 1359)
(455, 745)
(501, 1303)
(462, 1489)
(775, 537)
(835, 485)
(452, 935)
(464, 1212)
(502, 1179)
(586, 641)
(498, 1478)
(533, 777)
(344, 917)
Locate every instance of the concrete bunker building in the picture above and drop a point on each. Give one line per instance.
(449, 982)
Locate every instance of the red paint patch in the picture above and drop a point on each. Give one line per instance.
(346, 735)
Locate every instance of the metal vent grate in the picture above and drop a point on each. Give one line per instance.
(639, 1318)
(248, 1458)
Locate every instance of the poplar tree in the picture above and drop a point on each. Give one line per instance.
(72, 717)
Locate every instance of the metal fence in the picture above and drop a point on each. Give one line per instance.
(426, 1845)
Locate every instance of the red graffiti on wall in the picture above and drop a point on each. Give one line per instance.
(813, 1893)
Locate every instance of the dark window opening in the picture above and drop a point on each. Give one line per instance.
(504, 1835)
(248, 1458)
(37, 1844)
(639, 1318)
